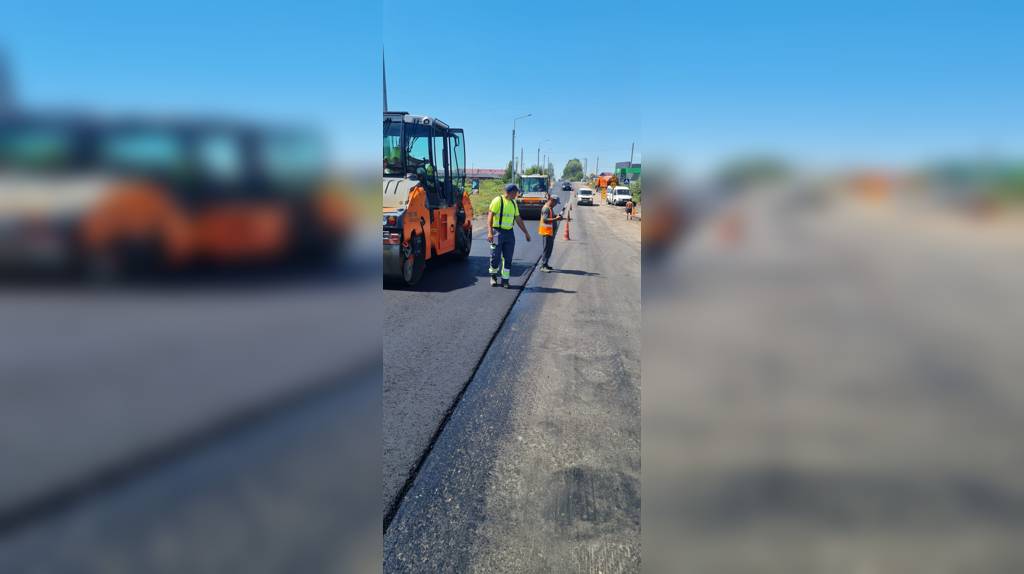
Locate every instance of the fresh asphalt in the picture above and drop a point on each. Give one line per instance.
(537, 468)
(103, 386)
(434, 337)
(291, 491)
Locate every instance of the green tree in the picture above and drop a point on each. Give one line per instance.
(573, 170)
(508, 172)
(753, 170)
(534, 169)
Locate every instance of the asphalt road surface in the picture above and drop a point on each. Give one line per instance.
(538, 467)
(106, 387)
(835, 387)
(293, 491)
(434, 336)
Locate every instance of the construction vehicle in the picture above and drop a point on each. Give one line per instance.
(604, 183)
(427, 212)
(534, 193)
(110, 197)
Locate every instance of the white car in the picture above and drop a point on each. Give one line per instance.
(585, 196)
(619, 196)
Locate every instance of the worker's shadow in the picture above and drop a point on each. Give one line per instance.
(445, 274)
(546, 290)
(579, 272)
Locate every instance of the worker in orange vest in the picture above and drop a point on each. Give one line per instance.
(546, 229)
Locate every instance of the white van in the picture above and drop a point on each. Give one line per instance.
(619, 196)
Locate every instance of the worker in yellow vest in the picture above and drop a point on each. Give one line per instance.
(502, 215)
(546, 229)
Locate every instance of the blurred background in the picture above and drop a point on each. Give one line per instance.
(188, 290)
(831, 289)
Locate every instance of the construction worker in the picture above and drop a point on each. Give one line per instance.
(502, 214)
(546, 229)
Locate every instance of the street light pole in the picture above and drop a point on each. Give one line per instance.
(538, 153)
(514, 144)
(6, 87)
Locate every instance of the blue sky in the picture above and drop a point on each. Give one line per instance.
(312, 62)
(478, 65)
(827, 84)
(692, 82)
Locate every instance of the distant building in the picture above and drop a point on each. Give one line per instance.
(485, 173)
(625, 170)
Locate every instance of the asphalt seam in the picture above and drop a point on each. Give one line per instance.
(396, 503)
(148, 460)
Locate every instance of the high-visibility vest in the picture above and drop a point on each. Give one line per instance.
(504, 217)
(545, 228)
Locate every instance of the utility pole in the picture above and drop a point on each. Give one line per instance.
(597, 166)
(6, 87)
(514, 146)
(384, 76)
(513, 162)
(631, 146)
(521, 170)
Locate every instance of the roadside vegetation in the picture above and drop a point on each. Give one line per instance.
(489, 189)
(573, 170)
(998, 183)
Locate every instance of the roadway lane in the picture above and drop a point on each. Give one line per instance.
(96, 381)
(538, 468)
(293, 492)
(835, 389)
(434, 336)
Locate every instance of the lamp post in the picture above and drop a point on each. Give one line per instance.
(6, 87)
(538, 151)
(514, 144)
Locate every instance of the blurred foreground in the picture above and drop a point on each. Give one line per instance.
(832, 384)
(210, 420)
(189, 380)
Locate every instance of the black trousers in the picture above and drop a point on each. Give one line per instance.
(549, 245)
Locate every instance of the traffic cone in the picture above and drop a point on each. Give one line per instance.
(567, 220)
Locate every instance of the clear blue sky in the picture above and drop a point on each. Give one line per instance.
(311, 61)
(693, 82)
(868, 83)
(477, 65)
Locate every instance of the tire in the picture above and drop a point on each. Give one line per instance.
(414, 264)
(463, 242)
(123, 261)
(101, 269)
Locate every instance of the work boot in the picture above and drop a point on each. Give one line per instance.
(504, 283)
(494, 280)
(545, 268)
